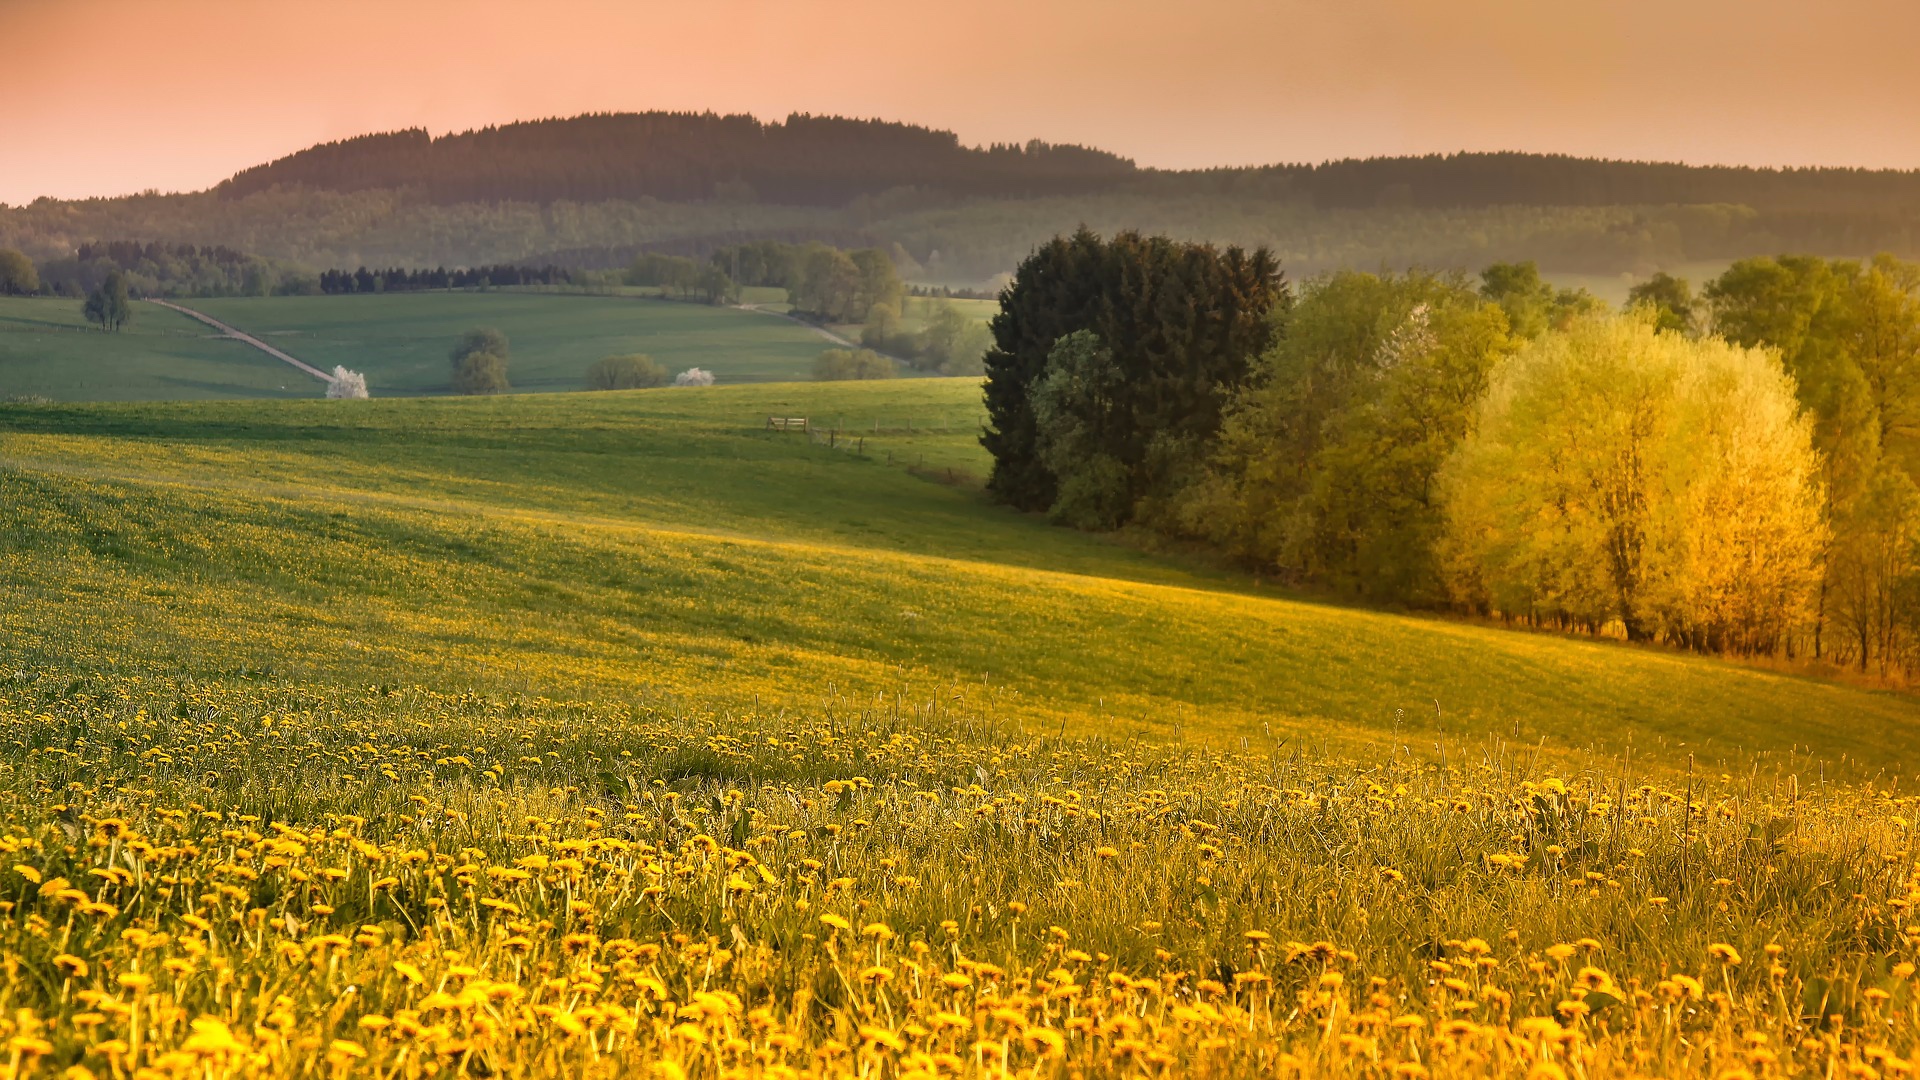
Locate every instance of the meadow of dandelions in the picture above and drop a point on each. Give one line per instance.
(282, 879)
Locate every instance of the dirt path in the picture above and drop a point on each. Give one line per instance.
(815, 327)
(248, 339)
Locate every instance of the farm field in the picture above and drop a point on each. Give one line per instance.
(615, 734)
(48, 350)
(399, 341)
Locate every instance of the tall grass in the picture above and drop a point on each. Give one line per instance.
(282, 878)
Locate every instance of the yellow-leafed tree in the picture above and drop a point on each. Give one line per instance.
(1622, 477)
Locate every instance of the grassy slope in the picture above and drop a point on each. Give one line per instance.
(660, 544)
(47, 349)
(400, 342)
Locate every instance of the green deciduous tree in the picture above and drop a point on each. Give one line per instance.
(952, 343)
(1078, 408)
(479, 360)
(635, 372)
(18, 277)
(109, 306)
(1533, 305)
(480, 373)
(1849, 334)
(840, 365)
(1873, 570)
(1670, 298)
(1326, 463)
(827, 286)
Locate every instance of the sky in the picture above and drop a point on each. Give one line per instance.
(108, 97)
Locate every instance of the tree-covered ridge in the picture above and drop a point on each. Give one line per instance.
(830, 161)
(804, 161)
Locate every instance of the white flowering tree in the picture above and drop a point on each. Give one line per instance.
(694, 377)
(346, 384)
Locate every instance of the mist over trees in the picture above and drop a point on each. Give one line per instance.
(951, 343)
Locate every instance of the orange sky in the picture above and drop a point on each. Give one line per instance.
(113, 96)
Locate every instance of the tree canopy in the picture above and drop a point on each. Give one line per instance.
(109, 306)
(1182, 323)
(636, 371)
(1326, 466)
(18, 277)
(479, 361)
(1618, 475)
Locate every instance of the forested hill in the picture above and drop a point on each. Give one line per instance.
(805, 161)
(830, 161)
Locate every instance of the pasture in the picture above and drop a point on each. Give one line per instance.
(48, 350)
(399, 341)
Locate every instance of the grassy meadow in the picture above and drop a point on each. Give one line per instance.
(48, 350)
(615, 734)
(399, 341)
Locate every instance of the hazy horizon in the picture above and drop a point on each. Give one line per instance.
(120, 99)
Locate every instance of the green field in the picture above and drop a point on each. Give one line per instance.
(398, 341)
(664, 542)
(48, 350)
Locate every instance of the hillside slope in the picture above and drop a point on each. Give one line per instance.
(663, 546)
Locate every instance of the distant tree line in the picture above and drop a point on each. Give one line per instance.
(835, 284)
(683, 277)
(150, 268)
(396, 279)
(1731, 472)
(825, 160)
(948, 240)
(948, 292)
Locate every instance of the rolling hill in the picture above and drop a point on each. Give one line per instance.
(663, 543)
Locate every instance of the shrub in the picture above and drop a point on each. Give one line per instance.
(635, 372)
(694, 376)
(480, 362)
(346, 384)
(840, 365)
(480, 373)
